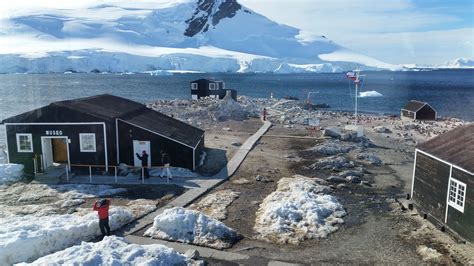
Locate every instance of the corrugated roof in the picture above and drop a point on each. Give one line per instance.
(455, 146)
(166, 126)
(413, 105)
(104, 106)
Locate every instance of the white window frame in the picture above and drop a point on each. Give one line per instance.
(459, 200)
(80, 142)
(213, 85)
(194, 86)
(30, 139)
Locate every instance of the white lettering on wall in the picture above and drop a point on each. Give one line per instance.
(54, 132)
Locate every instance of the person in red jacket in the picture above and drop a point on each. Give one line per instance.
(102, 208)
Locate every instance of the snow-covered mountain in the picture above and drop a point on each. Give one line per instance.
(180, 35)
(460, 63)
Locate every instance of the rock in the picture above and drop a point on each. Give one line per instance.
(366, 183)
(333, 148)
(241, 181)
(347, 173)
(342, 186)
(346, 136)
(382, 129)
(333, 132)
(235, 143)
(333, 162)
(336, 179)
(372, 159)
(262, 178)
(192, 254)
(226, 128)
(353, 179)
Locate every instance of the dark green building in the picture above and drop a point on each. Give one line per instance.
(443, 180)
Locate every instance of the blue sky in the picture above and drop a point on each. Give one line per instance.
(398, 31)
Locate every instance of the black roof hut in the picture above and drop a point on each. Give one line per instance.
(102, 130)
(443, 180)
(201, 88)
(417, 110)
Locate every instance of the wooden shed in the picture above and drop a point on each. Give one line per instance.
(443, 180)
(99, 130)
(210, 88)
(416, 110)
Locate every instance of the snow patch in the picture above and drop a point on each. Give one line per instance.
(364, 94)
(10, 173)
(215, 205)
(298, 210)
(38, 237)
(114, 250)
(188, 226)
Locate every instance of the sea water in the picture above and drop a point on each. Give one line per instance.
(450, 92)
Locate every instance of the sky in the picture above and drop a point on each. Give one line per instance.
(394, 31)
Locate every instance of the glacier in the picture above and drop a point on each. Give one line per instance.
(165, 35)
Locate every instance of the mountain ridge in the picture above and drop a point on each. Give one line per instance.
(183, 35)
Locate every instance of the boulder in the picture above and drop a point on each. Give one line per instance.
(353, 179)
(333, 132)
(235, 143)
(336, 179)
(382, 129)
(192, 254)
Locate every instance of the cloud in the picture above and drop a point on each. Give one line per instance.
(392, 31)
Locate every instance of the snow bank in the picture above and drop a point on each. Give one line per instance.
(188, 226)
(10, 173)
(364, 94)
(38, 237)
(175, 172)
(298, 210)
(114, 251)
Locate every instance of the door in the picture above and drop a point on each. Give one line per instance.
(47, 153)
(138, 147)
(59, 150)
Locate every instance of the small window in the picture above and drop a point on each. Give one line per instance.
(457, 194)
(194, 86)
(87, 142)
(212, 86)
(24, 142)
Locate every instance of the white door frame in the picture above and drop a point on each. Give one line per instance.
(139, 152)
(67, 148)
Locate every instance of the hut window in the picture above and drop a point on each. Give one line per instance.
(194, 86)
(87, 142)
(457, 194)
(24, 142)
(212, 86)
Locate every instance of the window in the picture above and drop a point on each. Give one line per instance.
(87, 142)
(212, 86)
(457, 194)
(194, 86)
(24, 142)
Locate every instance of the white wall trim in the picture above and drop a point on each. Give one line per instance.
(447, 195)
(106, 152)
(117, 144)
(413, 176)
(6, 144)
(441, 160)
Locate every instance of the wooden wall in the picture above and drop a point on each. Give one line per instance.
(426, 113)
(463, 223)
(430, 186)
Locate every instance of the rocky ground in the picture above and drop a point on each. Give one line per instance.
(367, 175)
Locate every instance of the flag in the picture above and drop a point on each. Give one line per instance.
(351, 75)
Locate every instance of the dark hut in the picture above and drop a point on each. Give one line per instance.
(99, 130)
(416, 110)
(443, 180)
